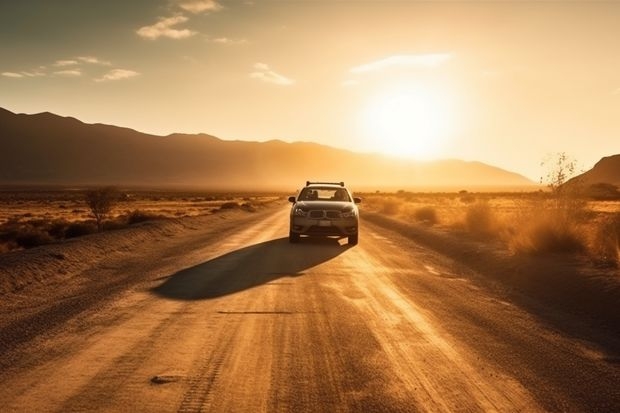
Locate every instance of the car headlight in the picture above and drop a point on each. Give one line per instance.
(349, 213)
(298, 212)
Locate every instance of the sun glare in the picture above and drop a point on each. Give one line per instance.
(411, 122)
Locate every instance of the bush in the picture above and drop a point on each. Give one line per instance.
(229, 205)
(480, 219)
(605, 245)
(78, 229)
(32, 237)
(547, 232)
(390, 206)
(426, 214)
(137, 216)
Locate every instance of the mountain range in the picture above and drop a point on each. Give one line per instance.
(47, 149)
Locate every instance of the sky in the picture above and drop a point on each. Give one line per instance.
(502, 82)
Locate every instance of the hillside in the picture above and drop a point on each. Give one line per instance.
(47, 149)
(602, 181)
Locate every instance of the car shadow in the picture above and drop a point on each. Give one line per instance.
(249, 267)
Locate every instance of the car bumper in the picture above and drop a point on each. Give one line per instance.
(323, 227)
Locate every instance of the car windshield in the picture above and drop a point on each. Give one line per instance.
(324, 194)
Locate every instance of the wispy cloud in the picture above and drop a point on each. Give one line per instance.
(33, 73)
(12, 75)
(199, 6)
(117, 74)
(69, 73)
(63, 63)
(163, 28)
(226, 40)
(410, 61)
(264, 73)
(93, 60)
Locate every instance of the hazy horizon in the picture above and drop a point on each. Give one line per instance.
(503, 83)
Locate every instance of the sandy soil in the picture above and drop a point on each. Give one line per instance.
(221, 313)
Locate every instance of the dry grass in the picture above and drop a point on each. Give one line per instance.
(32, 218)
(526, 223)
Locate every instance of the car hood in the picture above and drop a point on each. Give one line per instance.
(333, 205)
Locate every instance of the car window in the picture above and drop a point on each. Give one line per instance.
(324, 194)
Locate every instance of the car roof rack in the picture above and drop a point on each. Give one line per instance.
(328, 183)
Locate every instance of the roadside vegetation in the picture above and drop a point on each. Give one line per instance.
(525, 223)
(564, 218)
(32, 218)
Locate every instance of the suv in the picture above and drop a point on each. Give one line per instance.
(324, 209)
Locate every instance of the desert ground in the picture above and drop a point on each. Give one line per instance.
(448, 303)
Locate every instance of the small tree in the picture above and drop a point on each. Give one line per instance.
(101, 201)
(560, 168)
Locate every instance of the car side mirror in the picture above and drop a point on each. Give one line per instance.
(357, 200)
(291, 199)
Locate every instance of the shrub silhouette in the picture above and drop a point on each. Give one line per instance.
(101, 201)
(426, 214)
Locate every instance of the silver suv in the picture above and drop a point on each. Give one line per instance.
(324, 209)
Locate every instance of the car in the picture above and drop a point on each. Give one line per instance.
(324, 209)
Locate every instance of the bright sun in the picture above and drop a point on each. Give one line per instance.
(410, 122)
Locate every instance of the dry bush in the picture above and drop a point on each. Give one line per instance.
(101, 201)
(480, 219)
(549, 227)
(229, 205)
(427, 214)
(136, 216)
(78, 229)
(604, 246)
(390, 205)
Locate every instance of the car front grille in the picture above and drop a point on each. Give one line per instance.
(319, 213)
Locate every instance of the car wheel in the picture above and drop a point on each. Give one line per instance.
(353, 239)
(293, 237)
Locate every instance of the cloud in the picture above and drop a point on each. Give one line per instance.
(63, 63)
(93, 60)
(12, 75)
(33, 73)
(117, 74)
(199, 6)
(226, 40)
(264, 73)
(69, 73)
(411, 61)
(163, 28)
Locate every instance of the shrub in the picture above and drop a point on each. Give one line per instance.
(426, 214)
(390, 206)
(136, 216)
(546, 231)
(78, 229)
(101, 201)
(605, 245)
(229, 205)
(479, 218)
(32, 237)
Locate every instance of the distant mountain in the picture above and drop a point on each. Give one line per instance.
(602, 181)
(47, 149)
(607, 171)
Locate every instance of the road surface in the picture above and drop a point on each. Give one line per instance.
(243, 321)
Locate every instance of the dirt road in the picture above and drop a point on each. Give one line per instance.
(236, 319)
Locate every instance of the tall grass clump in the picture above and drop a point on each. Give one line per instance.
(550, 226)
(480, 219)
(425, 214)
(605, 244)
(390, 206)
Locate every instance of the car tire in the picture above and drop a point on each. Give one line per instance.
(353, 239)
(293, 237)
